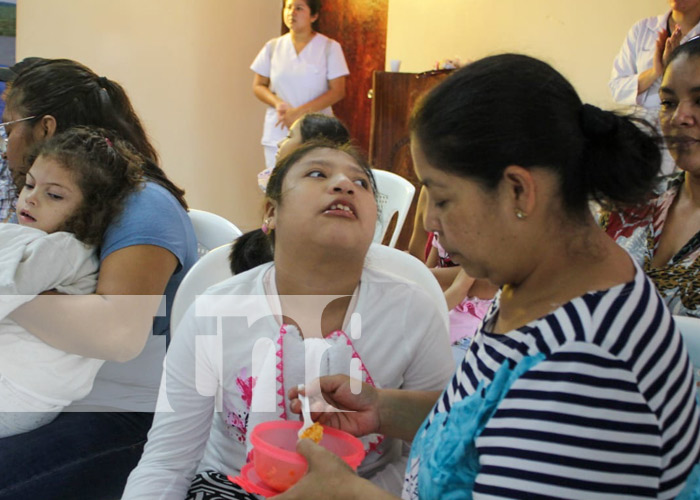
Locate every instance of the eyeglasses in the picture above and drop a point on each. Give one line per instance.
(3, 132)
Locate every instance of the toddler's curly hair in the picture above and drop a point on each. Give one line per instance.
(104, 167)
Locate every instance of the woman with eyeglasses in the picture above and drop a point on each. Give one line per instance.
(8, 192)
(89, 451)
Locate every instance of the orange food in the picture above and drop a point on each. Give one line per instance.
(315, 433)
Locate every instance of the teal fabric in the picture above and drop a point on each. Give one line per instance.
(691, 491)
(449, 460)
(692, 486)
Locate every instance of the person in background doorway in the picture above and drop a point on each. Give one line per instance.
(300, 72)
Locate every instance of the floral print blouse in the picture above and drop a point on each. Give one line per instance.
(639, 230)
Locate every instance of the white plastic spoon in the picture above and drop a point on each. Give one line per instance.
(305, 411)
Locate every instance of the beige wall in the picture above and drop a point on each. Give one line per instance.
(184, 63)
(578, 37)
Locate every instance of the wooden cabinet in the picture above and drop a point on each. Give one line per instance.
(393, 98)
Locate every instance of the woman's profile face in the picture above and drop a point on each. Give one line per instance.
(466, 217)
(327, 200)
(290, 142)
(20, 137)
(683, 5)
(297, 15)
(680, 111)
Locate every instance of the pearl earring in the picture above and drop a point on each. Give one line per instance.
(520, 214)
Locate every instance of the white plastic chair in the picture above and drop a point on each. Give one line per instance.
(394, 195)
(212, 230)
(214, 267)
(690, 331)
(406, 266)
(210, 269)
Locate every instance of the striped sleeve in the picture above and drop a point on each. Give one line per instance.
(574, 426)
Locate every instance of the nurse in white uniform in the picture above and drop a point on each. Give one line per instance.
(300, 72)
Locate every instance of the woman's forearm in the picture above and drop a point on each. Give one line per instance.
(646, 79)
(114, 328)
(323, 101)
(402, 412)
(113, 323)
(445, 275)
(265, 95)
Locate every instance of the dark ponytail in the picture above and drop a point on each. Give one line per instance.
(621, 159)
(512, 109)
(250, 250)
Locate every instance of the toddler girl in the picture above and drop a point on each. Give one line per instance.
(76, 185)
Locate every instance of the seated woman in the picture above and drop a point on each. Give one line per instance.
(577, 385)
(76, 185)
(320, 216)
(663, 236)
(89, 450)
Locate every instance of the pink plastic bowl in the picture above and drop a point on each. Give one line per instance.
(280, 466)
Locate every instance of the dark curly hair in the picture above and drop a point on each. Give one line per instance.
(105, 168)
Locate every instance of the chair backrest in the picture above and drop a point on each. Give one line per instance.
(214, 267)
(406, 266)
(209, 270)
(394, 195)
(690, 331)
(212, 230)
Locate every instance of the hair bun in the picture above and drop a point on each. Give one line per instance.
(596, 122)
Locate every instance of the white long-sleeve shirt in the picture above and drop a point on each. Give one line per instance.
(31, 262)
(636, 56)
(212, 379)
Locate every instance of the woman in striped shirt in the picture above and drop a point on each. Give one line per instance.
(577, 385)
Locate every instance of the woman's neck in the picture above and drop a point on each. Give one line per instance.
(691, 189)
(302, 37)
(582, 260)
(686, 20)
(296, 279)
(315, 274)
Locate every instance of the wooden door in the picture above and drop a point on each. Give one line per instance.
(394, 96)
(360, 27)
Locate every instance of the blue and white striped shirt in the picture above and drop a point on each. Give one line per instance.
(609, 412)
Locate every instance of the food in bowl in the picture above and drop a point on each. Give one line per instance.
(314, 433)
(274, 454)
